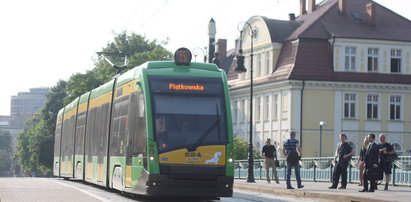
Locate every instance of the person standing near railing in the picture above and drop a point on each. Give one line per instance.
(360, 162)
(371, 160)
(270, 153)
(341, 159)
(385, 149)
(292, 151)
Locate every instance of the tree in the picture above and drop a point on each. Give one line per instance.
(5, 149)
(35, 146)
(241, 150)
(139, 49)
(5, 141)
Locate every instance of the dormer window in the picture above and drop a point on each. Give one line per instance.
(395, 60)
(350, 53)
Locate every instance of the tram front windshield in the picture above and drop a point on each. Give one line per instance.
(188, 118)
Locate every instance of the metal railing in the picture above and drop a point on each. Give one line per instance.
(320, 169)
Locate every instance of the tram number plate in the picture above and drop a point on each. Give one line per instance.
(192, 154)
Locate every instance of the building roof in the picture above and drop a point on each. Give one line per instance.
(327, 20)
(306, 52)
(280, 29)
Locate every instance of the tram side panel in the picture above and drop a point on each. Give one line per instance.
(67, 143)
(97, 130)
(80, 136)
(128, 139)
(57, 143)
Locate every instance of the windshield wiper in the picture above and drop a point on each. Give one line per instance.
(215, 124)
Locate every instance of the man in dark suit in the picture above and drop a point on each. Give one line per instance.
(371, 160)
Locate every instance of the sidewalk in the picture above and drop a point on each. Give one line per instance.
(320, 190)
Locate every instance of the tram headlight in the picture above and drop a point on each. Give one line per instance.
(151, 158)
(230, 160)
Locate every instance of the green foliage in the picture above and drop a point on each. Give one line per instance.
(35, 146)
(5, 141)
(241, 148)
(5, 149)
(139, 49)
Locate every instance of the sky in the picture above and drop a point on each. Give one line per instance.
(44, 41)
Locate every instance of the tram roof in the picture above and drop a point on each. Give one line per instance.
(172, 64)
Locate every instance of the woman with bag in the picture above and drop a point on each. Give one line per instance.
(360, 162)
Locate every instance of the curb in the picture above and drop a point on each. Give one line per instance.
(304, 194)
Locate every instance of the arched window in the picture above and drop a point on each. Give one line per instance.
(397, 148)
(352, 144)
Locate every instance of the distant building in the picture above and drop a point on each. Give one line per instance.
(25, 104)
(345, 62)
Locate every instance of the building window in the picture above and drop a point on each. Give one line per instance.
(242, 111)
(395, 107)
(396, 60)
(266, 107)
(372, 106)
(373, 59)
(349, 105)
(352, 144)
(397, 148)
(235, 111)
(350, 53)
(275, 106)
(267, 62)
(258, 109)
(259, 71)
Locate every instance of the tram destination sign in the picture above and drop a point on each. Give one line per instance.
(200, 85)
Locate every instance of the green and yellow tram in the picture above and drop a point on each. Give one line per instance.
(163, 128)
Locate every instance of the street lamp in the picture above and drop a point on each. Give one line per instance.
(241, 69)
(322, 123)
(196, 53)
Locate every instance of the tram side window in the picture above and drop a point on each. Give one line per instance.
(81, 121)
(139, 137)
(57, 139)
(120, 120)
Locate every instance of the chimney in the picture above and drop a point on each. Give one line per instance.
(211, 36)
(292, 16)
(302, 7)
(222, 48)
(311, 6)
(370, 8)
(342, 6)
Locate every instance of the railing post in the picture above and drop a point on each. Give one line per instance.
(261, 170)
(285, 171)
(349, 174)
(393, 175)
(315, 168)
(239, 171)
(331, 172)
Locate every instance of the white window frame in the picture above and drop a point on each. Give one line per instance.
(235, 111)
(257, 108)
(396, 54)
(351, 100)
(373, 102)
(275, 106)
(373, 54)
(350, 58)
(242, 111)
(396, 103)
(266, 107)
